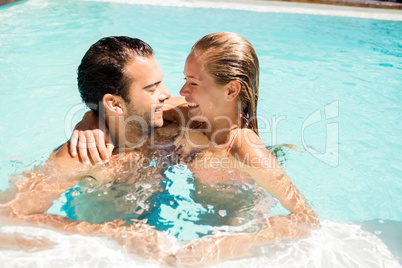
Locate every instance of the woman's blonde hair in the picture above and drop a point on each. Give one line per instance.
(227, 57)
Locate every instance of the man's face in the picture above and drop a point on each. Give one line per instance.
(146, 93)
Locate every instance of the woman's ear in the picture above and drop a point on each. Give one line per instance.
(233, 90)
(114, 104)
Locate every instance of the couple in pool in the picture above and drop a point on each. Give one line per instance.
(214, 127)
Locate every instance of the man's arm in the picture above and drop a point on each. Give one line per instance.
(255, 160)
(212, 250)
(136, 238)
(28, 244)
(33, 192)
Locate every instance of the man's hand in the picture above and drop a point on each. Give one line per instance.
(33, 244)
(24, 242)
(91, 140)
(211, 250)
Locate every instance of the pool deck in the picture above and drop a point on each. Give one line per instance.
(355, 3)
(6, 2)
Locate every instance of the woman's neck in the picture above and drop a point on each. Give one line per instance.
(219, 130)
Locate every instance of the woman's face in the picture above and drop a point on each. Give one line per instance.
(204, 97)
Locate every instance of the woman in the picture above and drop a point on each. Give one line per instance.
(219, 111)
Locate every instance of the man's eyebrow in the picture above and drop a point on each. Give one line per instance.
(151, 85)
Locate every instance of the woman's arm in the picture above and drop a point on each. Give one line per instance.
(251, 155)
(91, 140)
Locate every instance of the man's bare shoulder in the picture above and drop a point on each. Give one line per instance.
(62, 156)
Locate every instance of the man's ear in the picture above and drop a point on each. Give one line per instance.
(233, 90)
(114, 104)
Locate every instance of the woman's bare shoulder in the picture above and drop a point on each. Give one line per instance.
(176, 110)
(249, 146)
(174, 102)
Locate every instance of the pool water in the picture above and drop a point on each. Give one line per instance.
(329, 84)
(175, 200)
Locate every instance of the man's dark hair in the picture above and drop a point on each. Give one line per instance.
(102, 68)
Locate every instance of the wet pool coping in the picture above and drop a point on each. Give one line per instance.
(7, 2)
(354, 3)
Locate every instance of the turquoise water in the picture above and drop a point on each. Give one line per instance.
(350, 67)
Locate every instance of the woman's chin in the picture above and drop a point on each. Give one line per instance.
(193, 113)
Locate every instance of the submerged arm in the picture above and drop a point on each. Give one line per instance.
(26, 243)
(34, 192)
(251, 156)
(137, 238)
(264, 168)
(208, 251)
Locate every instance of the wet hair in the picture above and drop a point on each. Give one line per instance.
(102, 69)
(227, 57)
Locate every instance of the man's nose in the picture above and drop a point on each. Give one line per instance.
(165, 93)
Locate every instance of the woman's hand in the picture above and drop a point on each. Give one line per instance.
(91, 140)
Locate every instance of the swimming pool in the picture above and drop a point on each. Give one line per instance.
(329, 83)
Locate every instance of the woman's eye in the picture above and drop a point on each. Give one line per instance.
(192, 84)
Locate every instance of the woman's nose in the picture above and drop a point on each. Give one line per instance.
(184, 91)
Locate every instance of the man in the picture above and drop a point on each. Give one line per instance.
(121, 81)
